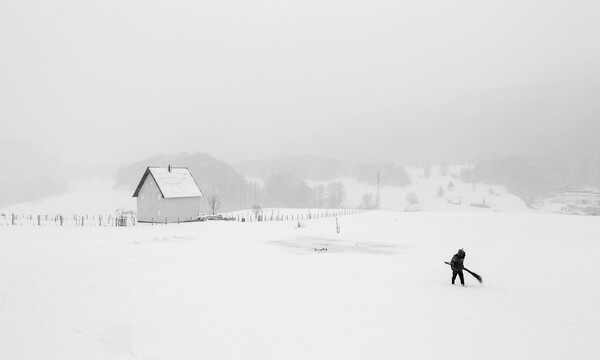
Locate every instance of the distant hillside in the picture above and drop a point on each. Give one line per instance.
(284, 180)
(317, 168)
(305, 167)
(86, 195)
(27, 173)
(433, 193)
(539, 176)
(30, 189)
(212, 175)
(534, 139)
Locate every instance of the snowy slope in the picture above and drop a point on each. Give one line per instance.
(394, 198)
(231, 290)
(85, 196)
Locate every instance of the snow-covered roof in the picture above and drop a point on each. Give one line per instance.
(176, 183)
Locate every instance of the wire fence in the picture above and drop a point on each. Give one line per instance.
(97, 220)
(130, 219)
(289, 214)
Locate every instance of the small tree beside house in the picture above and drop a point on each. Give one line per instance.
(412, 198)
(214, 203)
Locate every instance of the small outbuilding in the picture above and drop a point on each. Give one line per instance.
(167, 195)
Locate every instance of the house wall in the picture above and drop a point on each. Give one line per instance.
(152, 207)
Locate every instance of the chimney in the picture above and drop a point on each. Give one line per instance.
(169, 168)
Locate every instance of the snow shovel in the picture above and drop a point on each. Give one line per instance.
(478, 277)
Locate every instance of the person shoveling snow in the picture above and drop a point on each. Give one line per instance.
(457, 267)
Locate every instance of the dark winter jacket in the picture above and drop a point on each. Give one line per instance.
(457, 261)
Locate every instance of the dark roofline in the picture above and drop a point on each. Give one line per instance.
(139, 187)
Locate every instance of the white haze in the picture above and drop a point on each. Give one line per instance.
(114, 81)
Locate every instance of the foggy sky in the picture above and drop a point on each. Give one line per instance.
(115, 81)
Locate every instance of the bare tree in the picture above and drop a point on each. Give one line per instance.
(317, 196)
(440, 192)
(427, 171)
(412, 198)
(336, 194)
(367, 201)
(214, 202)
(444, 168)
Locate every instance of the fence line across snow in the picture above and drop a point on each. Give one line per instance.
(252, 216)
(97, 220)
(106, 220)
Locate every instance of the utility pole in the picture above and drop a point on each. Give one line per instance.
(255, 195)
(378, 188)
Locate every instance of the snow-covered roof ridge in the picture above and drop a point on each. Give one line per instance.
(173, 182)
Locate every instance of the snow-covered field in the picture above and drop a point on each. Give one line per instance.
(231, 290)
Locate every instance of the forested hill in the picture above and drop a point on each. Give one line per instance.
(284, 181)
(532, 177)
(325, 169)
(306, 167)
(550, 142)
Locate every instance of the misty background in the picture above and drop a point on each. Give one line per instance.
(285, 92)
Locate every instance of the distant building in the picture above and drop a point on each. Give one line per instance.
(167, 194)
(578, 197)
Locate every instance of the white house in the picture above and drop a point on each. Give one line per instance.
(167, 194)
